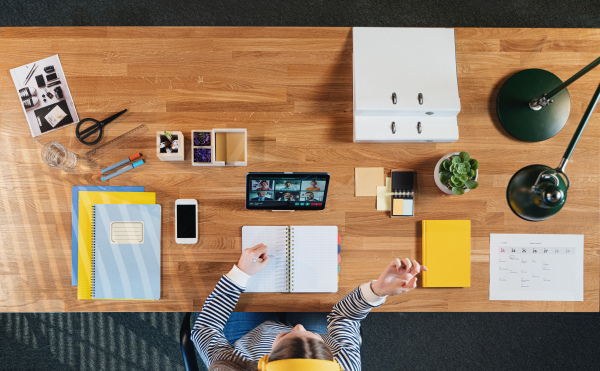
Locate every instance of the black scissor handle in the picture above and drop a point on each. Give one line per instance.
(98, 126)
(81, 135)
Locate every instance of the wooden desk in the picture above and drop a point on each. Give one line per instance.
(292, 89)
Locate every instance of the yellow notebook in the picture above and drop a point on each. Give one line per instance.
(447, 253)
(86, 201)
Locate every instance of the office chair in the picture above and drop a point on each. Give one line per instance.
(187, 346)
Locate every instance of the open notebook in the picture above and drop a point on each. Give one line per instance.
(302, 258)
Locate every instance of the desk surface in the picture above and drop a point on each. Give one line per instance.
(292, 89)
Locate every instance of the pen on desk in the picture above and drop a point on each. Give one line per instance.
(257, 260)
(123, 169)
(122, 162)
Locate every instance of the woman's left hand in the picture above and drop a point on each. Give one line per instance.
(398, 277)
(248, 263)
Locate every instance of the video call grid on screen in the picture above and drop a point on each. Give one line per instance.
(294, 191)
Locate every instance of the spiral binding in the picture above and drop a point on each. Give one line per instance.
(404, 193)
(289, 258)
(93, 250)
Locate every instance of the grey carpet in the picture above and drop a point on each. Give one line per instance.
(90, 341)
(391, 341)
(414, 13)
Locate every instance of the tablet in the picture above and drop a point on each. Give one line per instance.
(286, 191)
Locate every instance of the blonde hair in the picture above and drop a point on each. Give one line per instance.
(288, 349)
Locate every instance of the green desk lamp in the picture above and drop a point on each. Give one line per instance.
(537, 192)
(527, 112)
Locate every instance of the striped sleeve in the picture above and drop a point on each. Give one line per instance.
(207, 333)
(343, 326)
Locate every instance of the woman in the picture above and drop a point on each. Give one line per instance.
(275, 343)
(264, 186)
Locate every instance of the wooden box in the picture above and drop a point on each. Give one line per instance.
(162, 154)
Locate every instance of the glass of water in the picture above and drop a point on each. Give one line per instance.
(56, 155)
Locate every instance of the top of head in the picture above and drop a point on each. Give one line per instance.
(298, 365)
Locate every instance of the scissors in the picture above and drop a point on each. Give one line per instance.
(96, 127)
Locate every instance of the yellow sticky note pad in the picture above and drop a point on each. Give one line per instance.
(398, 206)
(367, 179)
(384, 199)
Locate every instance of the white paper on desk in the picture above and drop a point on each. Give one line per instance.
(536, 267)
(55, 116)
(384, 196)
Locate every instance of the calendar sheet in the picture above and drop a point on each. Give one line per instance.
(536, 267)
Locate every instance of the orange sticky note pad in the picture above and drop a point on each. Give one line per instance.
(367, 179)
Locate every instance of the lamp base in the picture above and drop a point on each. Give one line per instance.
(524, 123)
(526, 204)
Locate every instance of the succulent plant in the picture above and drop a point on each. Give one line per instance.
(458, 173)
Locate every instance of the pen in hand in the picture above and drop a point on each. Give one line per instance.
(253, 259)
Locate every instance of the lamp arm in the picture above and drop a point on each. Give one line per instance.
(579, 131)
(583, 71)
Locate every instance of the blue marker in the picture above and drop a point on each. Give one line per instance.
(123, 169)
(114, 166)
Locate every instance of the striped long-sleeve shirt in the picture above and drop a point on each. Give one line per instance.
(343, 325)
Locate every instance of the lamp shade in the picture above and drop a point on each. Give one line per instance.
(517, 117)
(541, 204)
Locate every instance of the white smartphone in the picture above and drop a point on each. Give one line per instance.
(186, 221)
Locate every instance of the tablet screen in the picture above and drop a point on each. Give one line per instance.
(286, 191)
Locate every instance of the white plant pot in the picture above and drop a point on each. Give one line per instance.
(436, 174)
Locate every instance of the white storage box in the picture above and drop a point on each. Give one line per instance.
(405, 85)
(225, 147)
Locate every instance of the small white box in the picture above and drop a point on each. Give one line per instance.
(405, 85)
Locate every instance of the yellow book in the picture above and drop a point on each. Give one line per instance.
(447, 253)
(86, 202)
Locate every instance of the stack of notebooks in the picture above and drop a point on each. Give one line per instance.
(116, 243)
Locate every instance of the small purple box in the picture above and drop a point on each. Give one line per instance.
(202, 138)
(202, 154)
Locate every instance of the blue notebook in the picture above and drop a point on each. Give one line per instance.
(126, 251)
(75, 218)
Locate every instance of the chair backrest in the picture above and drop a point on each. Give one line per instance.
(187, 346)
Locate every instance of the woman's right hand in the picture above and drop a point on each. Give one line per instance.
(248, 263)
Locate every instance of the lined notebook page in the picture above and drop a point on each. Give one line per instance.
(273, 277)
(315, 259)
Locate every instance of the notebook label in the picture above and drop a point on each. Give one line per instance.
(127, 232)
